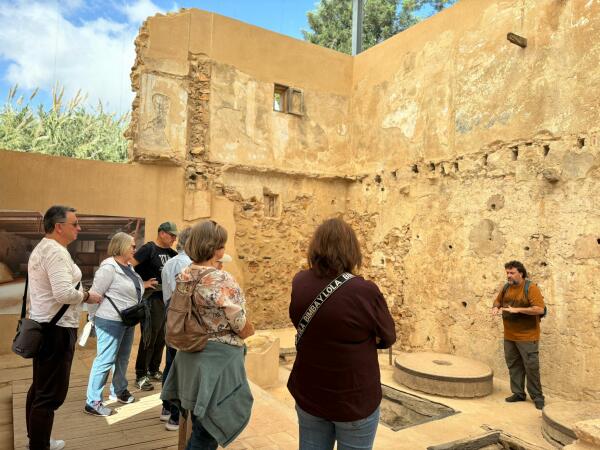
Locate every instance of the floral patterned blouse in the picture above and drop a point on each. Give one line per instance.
(222, 303)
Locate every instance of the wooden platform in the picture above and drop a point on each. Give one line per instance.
(135, 425)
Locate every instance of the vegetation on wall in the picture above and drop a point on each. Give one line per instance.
(331, 22)
(66, 128)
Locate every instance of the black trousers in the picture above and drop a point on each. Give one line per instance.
(522, 358)
(51, 373)
(171, 352)
(149, 358)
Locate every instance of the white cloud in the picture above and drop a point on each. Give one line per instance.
(43, 47)
(138, 11)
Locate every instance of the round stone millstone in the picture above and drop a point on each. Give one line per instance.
(443, 374)
(559, 419)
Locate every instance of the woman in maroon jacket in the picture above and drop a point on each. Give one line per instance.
(335, 380)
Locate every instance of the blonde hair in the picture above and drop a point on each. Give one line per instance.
(205, 238)
(119, 244)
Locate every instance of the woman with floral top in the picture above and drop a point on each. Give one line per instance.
(212, 384)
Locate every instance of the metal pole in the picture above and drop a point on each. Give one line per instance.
(357, 26)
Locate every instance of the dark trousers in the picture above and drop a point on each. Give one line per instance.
(522, 358)
(171, 352)
(200, 438)
(51, 372)
(149, 357)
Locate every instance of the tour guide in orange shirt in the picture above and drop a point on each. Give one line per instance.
(521, 313)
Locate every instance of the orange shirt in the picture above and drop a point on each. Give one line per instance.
(520, 327)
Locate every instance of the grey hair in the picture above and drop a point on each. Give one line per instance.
(119, 244)
(182, 238)
(55, 214)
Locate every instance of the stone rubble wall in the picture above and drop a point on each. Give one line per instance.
(449, 150)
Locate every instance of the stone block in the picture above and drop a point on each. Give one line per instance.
(262, 360)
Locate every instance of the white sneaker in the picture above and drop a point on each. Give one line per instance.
(55, 444)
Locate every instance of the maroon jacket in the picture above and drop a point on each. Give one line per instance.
(336, 372)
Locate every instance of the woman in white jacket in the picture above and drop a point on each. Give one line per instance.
(115, 279)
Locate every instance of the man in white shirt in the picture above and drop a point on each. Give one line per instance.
(54, 281)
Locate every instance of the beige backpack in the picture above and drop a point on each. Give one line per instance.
(185, 328)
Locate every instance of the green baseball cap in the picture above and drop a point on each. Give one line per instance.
(168, 227)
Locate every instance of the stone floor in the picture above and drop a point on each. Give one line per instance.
(273, 424)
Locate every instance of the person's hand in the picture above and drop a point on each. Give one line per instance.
(495, 311)
(93, 298)
(510, 309)
(247, 331)
(151, 283)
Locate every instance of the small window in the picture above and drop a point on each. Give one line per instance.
(279, 98)
(271, 203)
(288, 100)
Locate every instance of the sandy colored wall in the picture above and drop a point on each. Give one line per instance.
(34, 182)
(450, 151)
(476, 152)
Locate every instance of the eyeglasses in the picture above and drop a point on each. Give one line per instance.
(75, 224)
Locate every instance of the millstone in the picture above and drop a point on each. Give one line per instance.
(443, 374)
(560, 417)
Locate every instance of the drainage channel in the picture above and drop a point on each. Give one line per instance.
(401, 410)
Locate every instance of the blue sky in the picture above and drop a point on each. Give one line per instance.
(88, 45)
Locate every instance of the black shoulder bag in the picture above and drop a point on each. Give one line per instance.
(318, 301)
(134, 314)
(28, 340)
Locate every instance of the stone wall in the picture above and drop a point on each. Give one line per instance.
(486, 152)
(448, 149)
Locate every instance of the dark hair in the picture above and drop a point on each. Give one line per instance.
(334, 249)
(55, 214)
(205, 238)
(516, 265)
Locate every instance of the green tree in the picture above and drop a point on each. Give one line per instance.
(331, 23)
(62, 130)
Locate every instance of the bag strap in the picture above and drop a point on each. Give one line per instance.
(24, 306)
(318, 302)
(63, 309)
(114, 306)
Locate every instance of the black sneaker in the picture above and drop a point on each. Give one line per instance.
(515, 398)
(155, 376)
(97, 409)
(539, 403)
(144, 384)
(124, 397)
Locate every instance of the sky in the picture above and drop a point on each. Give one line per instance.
(88, 45)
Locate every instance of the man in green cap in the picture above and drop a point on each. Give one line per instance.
(149, 262)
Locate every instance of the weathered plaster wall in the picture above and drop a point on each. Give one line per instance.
(449, 149)
(482, 152)
(279, 174)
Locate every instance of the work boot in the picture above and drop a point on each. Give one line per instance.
(515, 398)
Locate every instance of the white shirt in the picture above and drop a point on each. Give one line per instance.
(171, 269)
(52, 279)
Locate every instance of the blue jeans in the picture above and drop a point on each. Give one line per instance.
(114, 342)
(200, 438)
(320, 434)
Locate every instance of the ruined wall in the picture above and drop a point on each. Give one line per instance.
(478, 152)
(204, 101)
